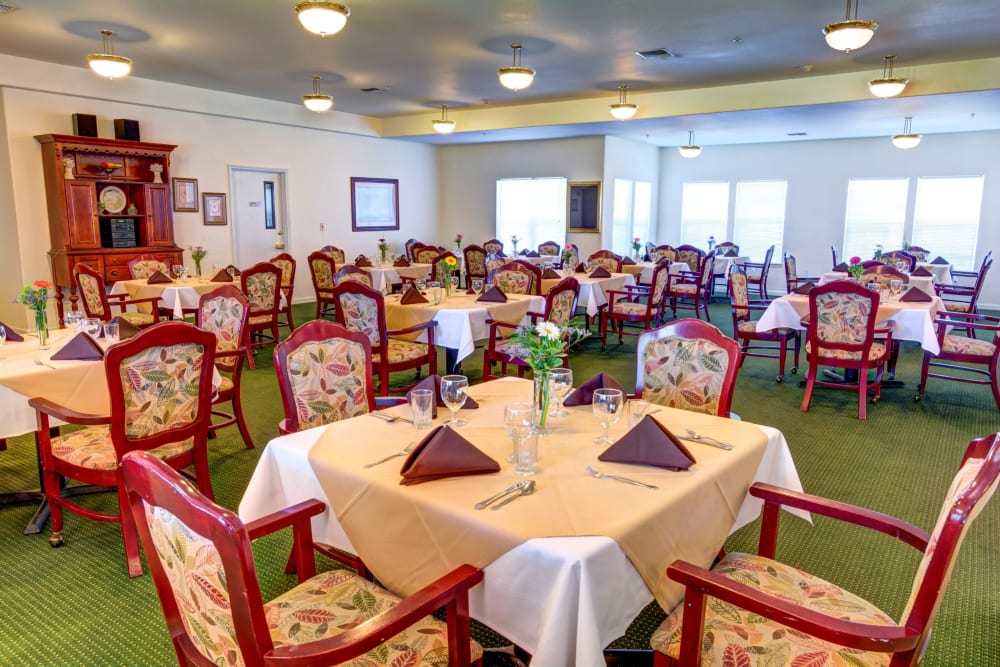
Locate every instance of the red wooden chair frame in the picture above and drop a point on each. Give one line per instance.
(230, 361)
(702, 280)
(651, 317)
(287, 286)
(522, 266)
(763, 268)
(149, 483)
(690, 251)
(350, 270)
(551, 245)
(109, 301)
(920, 253)
(607, 254)
(337, 254)
(325, 304)
(894, 256)
(470, 251)
(419, 249)
(408, 248)
(258, 331)
(962, 298)
(781, 336)
(494, 247)
(833, 256)
(964, 362)
(792, 277)
(146, 258)
(720, 248)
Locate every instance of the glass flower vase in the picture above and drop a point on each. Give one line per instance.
(42, 326)
(542, 401)
(197, 268)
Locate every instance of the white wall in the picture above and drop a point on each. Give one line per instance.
(633, 161)
(817, 173)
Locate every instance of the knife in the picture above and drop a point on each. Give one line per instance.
(485, 503)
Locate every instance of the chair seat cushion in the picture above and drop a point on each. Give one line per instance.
(91, 448)
(683, 289)
(136, 319)
(336, 601)
(963, 345)
(957, 307)
(402, 350)
(631, 308)
(734, 636)
(225, 384)
(260, 319)
(876, 352)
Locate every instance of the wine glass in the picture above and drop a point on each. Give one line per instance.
(903, 266)
(517, 420)
(231, 270)
(179, 271)
(3, 336)
(477, 285)
(607, 405)
(92, 326)
(453, 393)
(562, 384)
(421, 283)
(896, 286)
(873, 286)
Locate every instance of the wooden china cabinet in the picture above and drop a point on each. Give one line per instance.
(106, 206)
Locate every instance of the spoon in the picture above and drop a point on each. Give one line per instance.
(39, 362)
(705, 440)
(526, 490)
(600, 475)
(497, 496)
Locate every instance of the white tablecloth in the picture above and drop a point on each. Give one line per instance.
(923, 283)
(383, 276)
(177, 296)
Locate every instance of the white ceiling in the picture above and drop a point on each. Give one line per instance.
(422, 53)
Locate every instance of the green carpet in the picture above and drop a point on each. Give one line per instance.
(77, 605)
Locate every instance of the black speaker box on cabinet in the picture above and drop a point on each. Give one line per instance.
(126, 129)
(84, 125)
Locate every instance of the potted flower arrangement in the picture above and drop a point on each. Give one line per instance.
(544, 346)
(878, 253)
(383, 250)
(198, 253)
(36, 296)
(856, 269)
(567, 256)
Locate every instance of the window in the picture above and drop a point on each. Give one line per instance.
(759, 221)
(946, 218)
(533, 209)
(704, 213)
(876, 211)
(632, 214)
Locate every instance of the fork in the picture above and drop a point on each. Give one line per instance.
(39, 362)
(403, 452)
(601, 475)
(389, 418)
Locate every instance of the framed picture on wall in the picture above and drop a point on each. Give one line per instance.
(185, 194)
(374, 204)
(214, 204)
(583, 207)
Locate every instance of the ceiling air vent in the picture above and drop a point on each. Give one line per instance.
(372, 90)
(656, 54)
(798, 134)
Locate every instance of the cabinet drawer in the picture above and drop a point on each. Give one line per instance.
(118, 260)
(95, 262)
(113, 273)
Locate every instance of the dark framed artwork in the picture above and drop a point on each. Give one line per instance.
(214, 205)
(374, 204)
(583, 207)
(185, 194)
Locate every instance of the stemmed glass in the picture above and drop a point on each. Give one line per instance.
(562, 384)
(517, 420)
(92, 326)
(179, 271)
(477, 286)
(3, 336)
(453, 393)
(896, 286)
(903, 266)
(607, 405)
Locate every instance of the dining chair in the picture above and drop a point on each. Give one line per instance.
(287, 264)
(224, 312)
(361, 308)
(560, 307)
(757, 273)
(408, 248)
(842, 333)
(322, 269)
(518, 277)
(97, 303)
(574, 260)
(690, 255)
(348, 273)
(262, 287)
(745, 327)
(549, 249)
(969, 278)
(160, 395)
(494, 247)
(792, 277)
(607, 260)
(426, 254)
(961, 298)
(883, 275)
(724, 249)
(648, 251)
(966, 358)
(872, 264)
(695, 288)
(641, 304)
(206, 579)
(663, 252)
(143, 266)
(688, 364)
(475, 263)
(765, 608)
(893, 257)
(920, 253)
(335, 253)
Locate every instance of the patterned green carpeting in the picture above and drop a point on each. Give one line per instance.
(77, 606)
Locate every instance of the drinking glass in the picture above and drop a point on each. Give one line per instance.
(454, 284)
(420, 283)
(637, 409)
(74, 320)
(179, 271)
(111, 333)
(896, 285)
(873, 286)
(216, 267)
(421, 408)
(231, 271)
(562, 384)
(92, 326)
(517, 420)
(3, 336)
(607, 406)
(435, 292)
(477, 286)
(903, 266)
(453, 393)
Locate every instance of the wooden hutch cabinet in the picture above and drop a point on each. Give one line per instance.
(106, 215)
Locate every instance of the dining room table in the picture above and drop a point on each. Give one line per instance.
(568, 567)
(178, 295)
(387, 275)
(592, 290)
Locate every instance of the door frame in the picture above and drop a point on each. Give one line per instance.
(283, 226)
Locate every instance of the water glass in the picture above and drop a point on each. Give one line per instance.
(179, 271)
(92, 326)
(562, 383)
(420, 283)
(111, 333)
(896, 285)
(637, 409)
(873, 286)
(74, 320)
(453, 393)
(607, 406)
(517, 420)
(435, 292)
(454, 284)
(477, 286)
(903, 266)
(421, 408)
(231, 271)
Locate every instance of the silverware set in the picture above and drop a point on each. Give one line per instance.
(515, 489)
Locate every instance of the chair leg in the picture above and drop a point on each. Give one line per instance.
(810, 385)
(50, 483)
(863, 393)
(783, 344)
(130, 535)
(240, 421)
(798, 343)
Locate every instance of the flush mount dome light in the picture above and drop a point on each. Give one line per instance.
(907, 139)
(442, 125)
(322, 17)
(623, 110)
(317, 101)
(690, 151)
(888, 85)
(108, 64)
(516, 77)
(851, 33)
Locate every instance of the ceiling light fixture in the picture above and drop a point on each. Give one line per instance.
(907, 139)
(317, 101)
(516, 77)
(851, 33)
(442, 125)
(107, 64)
(887, 86)
(690, 151)
(322, 17)
(623, 110)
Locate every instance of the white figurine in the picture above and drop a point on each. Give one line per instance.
(69, 164)
(157, 170)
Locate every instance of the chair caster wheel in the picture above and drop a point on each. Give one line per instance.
(56, 540)
(917, 397)
(795, 370)
(779, 378)
(874, 400)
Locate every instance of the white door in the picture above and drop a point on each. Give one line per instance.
(258, 206)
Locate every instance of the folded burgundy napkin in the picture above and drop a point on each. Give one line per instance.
(649, 443)
(600, 272)
(523, 253)
(939, 260)
(493, 295)
(222, 276)
(550, 273)
(158, 278)
(444, 453)
(401, 261)
(470, 290)
(125, 328)
(916, 295)
(12, 335)
(921, 271)
(804, 289)
(412, 295)
(532, 253)
(731, 252)
(842, 267)
(236, 271)
(628, 260)
(580, 269)
(80, 347)
(433, 383)
(584, 394)
(361, 260)
(647, 258)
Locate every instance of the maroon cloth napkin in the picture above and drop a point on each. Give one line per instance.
(584, 394)
(939, 260)
(649, 443)
(470, 290)
(361, 260)
(628, 260)
(125, 328)
(493, 295)
(916, 295)
(222, 277)
(580, 269)
(433, 382)
(80, 347)
(921, 271)
(804, 289)
(550, 273)
(730, 252)
(158, 278)
(401, 261)
(236, 271)
(12, 335)
(600, 272)
(842, 267)
(444, 453)
(412, 295)
(531, 253)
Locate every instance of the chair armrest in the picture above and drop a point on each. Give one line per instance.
(776, 497)
(383, 402)
(299, 518)
(452, 590)
(67, 415)
(408, 330)
(700, 583)
(496, 324)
